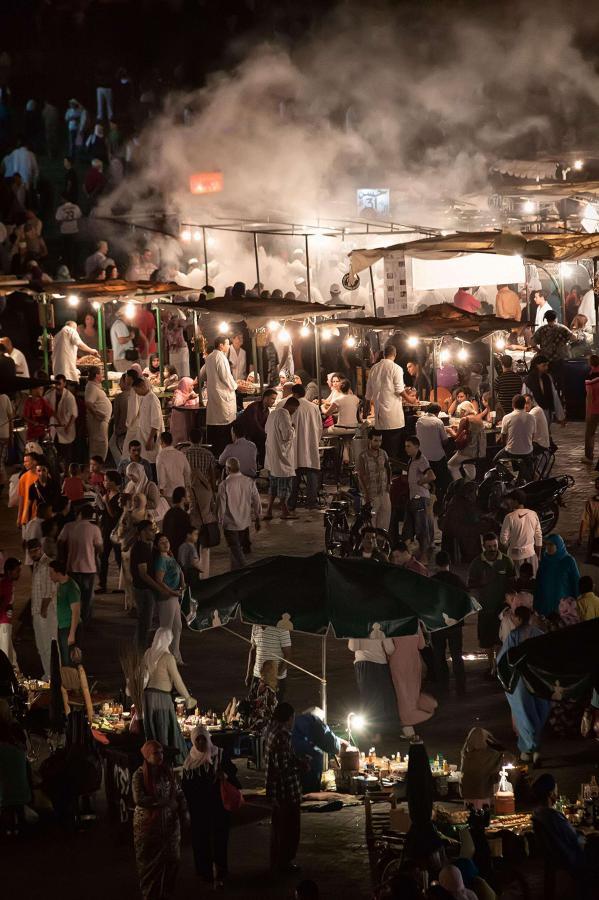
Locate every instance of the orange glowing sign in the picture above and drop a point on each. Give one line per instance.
(206, 182)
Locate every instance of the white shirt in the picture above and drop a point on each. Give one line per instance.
(541, 435)
(238, 499)
(519, 426)
(280, 444)
(308, 432)
(371, 650)
(172, 469)
(521, 533)
(347, 410)
(150, 416)
(221, 407)
(384, 388)
(20, 362)
(97, 399)
(120, 329)
(269, 642)
(417, 468)
(65, 410)
(431, 433)
(238, 361)
(67, 214)
(587, 308)
(6, 414)
(540, 316)
(64, 354)
(23, 162)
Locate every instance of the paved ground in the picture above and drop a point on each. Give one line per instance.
(332, 846)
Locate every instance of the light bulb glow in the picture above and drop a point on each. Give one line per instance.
(326, 334)
(223, 328)
(186, 235)
(284, 336)
(197, 235)
(500, 343)
(350, 341)
(130, 311)
(273, 325)
(358, 722)
(95, 305)
(578, 164)
(444, 357)
(413, 341)
(462, 354)
(305, 331)
(529, 206)
(73, 300)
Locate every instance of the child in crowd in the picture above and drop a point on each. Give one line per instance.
(188, 557)
(49, 537)
(73, 486)
(96, 476)
(588, 601)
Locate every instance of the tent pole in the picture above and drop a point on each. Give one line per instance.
(308, 271)
(373, 292)
(257, 262)
(46, 307)
(257, 372)
(196, 344)
(317, 355)
(435, 369)
(323, 683)
(102, 343)
(205, 254)
(596, 304)
(159, 339)
(492, 372)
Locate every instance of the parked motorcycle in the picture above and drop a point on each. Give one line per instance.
(543, 496)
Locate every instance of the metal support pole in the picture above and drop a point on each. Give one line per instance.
(309, 284)
(205, 254)
(323, 683)
(102, 346)
(257, 262)
(492, 372)
(317, 355)
(45, 305)
(159, 342)
(196, 344)
(596, 302)
(434, 370)
(257, 370)
(373, 292)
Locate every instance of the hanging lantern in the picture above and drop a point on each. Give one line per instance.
(206, 182)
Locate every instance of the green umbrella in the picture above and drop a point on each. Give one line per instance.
(561, 665)
(357, 598)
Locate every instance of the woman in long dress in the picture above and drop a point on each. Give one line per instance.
(159, 807)
(529, 712)
(558, 576)
(204, 770)
(405, 665)
(161, 677)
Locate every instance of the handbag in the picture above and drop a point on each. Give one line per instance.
(462, 437)
(210, 534)
(131, 355)
(230, 795)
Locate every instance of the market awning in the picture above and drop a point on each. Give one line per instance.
(538, 247)
(560, 665)
(355, 597)
(526, 168)
(99, 290)
(439, 320)
(256, 312)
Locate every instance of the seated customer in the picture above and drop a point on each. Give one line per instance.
(558, 832)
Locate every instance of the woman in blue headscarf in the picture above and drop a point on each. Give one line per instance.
(557, 576)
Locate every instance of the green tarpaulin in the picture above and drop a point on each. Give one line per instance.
(355, 597)
(560, 665)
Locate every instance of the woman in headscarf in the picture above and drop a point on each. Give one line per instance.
(472, 880)
(451, 879)
(557, 577)
(185, 394)
(204, 770)
(161, 677)
(159, 808)
(540, 384)
(139, 483)
(529, 712)
(152, 370)
(481, 761)
(471, 442)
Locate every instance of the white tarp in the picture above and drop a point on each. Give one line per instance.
(465, 270)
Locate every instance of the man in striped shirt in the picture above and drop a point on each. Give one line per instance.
(507, 384)
(200, 459)
(269, 642)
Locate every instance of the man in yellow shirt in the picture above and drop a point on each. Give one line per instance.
(588, 601)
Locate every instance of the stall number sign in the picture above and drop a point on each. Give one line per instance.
(396, 287)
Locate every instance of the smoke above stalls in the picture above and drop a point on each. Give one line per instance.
(418, 98)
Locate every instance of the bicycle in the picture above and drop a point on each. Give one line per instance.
(344, 540)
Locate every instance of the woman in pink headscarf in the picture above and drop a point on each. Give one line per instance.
(185, 394)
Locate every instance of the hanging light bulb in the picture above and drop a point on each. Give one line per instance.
(73, 300)
(350, 341)
(186, 235)
(578, 164)
(273, 325)
(326, 334)
(197, 235)
(462, 354)
(130, 311)
(444, 356)
(413, 341)
(500, 343)
(95, 305)
(305, 331)
(223, 328)
(284, 336)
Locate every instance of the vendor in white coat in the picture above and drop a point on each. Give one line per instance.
(308, 432)
(238, 358)
(98, 414)
(149, 419)
(221, 408)
(64, 352)
(386, 390)
(63, 421)
(280, 456)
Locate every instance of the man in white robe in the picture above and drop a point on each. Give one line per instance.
(64, 352)
(386, 390)
(308, 432)
(280, 456)
(64, 429)
(238, 358)
(221, 408)
(98, 414)
(149, 419)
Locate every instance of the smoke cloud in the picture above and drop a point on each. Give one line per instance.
(418, 98)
